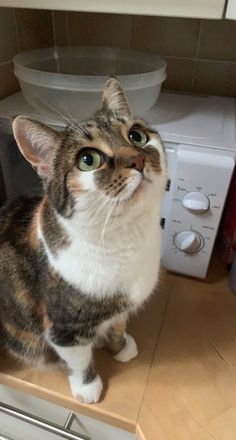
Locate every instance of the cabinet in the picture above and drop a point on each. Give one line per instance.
(181, 8)
(231, 10)
(86, 428)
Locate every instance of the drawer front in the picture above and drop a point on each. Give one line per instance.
(52, 415)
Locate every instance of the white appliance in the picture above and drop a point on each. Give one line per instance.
(200, 141)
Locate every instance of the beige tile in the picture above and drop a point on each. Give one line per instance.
(8, 81)
(60, 28)
(34, 28)
(166, 36)
(100, 29)
(218, 78)
(8, 36)
(218, 40)
(179, 74)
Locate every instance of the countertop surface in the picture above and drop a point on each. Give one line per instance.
(183, 383)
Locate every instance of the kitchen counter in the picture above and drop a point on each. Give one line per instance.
(183, 383)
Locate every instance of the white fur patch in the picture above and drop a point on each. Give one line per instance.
(77, 357)
(86, 179)
(132, 184)
(88, 393)
(126, 261)
(130, 350)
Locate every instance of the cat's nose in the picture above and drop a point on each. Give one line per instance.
(136, 162)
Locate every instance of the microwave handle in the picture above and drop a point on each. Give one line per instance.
(64, 431)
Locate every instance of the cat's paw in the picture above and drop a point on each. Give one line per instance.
(88, 393)
(129, 351)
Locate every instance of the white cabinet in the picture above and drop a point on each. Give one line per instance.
(231, 9)
(85, 427)
(184, 8)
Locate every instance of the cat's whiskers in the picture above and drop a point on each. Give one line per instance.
(102, 212)
(97, 211)
(101, 242)
(59, 113)
(74, 121)
(93, 220)
(88, 206)
(66, 115)
(118, 208)
(102, 236)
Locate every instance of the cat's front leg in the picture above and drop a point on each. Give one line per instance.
(120, 344)
(84, 381)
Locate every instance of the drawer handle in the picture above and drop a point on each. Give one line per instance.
(64, 432)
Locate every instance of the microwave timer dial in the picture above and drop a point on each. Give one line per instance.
(196, 202)
(189, 242)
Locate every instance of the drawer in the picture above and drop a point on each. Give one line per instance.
(85, 427)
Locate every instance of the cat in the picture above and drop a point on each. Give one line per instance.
(76, 262)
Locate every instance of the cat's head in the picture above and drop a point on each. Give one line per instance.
(110, 157)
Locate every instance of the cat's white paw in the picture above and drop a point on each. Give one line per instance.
(129, 351)
(88, 393)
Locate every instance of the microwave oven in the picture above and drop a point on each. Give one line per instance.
(199, 136)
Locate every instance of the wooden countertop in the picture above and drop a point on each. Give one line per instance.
(183, 383)
(191, 389)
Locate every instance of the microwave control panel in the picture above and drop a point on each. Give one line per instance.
(199, 190)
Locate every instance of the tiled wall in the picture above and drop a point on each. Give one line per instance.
(201, 54)
(20, 29)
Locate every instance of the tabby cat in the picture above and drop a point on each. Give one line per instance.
(77, 261)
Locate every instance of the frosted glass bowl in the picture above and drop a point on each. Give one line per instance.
(67, 81)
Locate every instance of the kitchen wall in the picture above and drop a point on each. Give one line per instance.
(201, 54)
(20, 29)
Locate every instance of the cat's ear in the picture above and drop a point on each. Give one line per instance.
(37, 143)
(114, 99)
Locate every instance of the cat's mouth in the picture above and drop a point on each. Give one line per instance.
(144, 177)
(136, 186)
(143, 183)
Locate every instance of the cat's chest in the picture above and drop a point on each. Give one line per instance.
(128, 263)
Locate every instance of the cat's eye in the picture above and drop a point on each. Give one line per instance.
(137, 136)
(89, 160)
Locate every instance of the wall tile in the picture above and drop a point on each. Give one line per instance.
(100, 29)
(8, 81)
(179, 74)
(166, 36)
(8, 36)
(218, 40)
(217, 78)
(34, 28)
(175, 38)
(60, 28)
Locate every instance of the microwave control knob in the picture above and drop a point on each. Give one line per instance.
(196, 202)
(188, 242)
